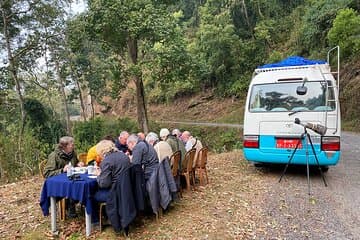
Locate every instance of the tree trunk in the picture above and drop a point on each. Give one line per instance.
(140, 92)
(92, 106)
(83, 110)
(247, 16)
(13, 73)
(63, 95)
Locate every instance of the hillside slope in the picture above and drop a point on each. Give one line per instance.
(202, 107)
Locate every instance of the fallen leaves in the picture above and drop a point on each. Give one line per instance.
(240, 202)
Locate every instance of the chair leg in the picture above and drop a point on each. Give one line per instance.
(187, 178)
(201, 174)
(180, 191)
(207, 179)
(193, 179)
(102, 205)
(62, 208)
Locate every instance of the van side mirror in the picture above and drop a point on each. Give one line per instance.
(301, 90)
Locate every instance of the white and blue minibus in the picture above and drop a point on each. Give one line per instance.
(281, 92)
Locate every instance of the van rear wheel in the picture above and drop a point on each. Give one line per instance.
(258, 165)
(324, 169)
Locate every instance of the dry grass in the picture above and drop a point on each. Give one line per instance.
(227, 208)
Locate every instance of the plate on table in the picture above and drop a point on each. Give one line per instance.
(80, 170)
(92, 176)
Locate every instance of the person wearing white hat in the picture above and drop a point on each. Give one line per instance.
(162, 148)
(175, 144)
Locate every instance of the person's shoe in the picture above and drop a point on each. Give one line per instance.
(72, 214)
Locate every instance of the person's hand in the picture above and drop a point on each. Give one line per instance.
(65, 169)
(80, 164)
(97, 171)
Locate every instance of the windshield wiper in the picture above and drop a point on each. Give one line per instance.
(296, 111)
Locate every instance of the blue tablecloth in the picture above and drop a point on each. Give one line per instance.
(60, 186)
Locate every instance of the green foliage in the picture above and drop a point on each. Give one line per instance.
(217, 139)
(171, 69)
(43, 123)
(180, 48)
(317, 21)
(127, 124)
(346, 32)
(14, 163)
(217, 48)
(89, 133)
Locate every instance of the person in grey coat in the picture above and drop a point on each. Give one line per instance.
(143, 154)
(114, 163)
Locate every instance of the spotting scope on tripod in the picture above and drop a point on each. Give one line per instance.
(317, 128)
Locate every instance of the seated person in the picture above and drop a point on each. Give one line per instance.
(191, 142)
(113, 163)
(176, 132)
(92, 156)
(143, 154)
(175, 143)
(58, 162)
(162, 148)
(141, 135)
(120, 142)
(59, 159)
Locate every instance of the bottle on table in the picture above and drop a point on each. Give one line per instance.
(69, 170)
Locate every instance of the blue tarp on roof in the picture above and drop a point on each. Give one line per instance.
(293, 61)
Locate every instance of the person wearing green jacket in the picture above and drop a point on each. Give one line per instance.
(175, 144)
(58, 160)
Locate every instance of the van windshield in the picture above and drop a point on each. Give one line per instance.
(282, 97)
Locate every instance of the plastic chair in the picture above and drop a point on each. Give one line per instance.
(188, 173)
(175, 160)
(201, 168)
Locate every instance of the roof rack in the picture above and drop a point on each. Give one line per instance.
(259, 70)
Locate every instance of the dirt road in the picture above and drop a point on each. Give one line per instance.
(331, 212)
(345, 183)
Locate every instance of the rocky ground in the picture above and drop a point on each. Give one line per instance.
(240, 202)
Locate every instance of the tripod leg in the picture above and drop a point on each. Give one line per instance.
(291, 157)
(317, 160)
(307, 167)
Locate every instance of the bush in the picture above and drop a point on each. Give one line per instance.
(15, 162)
(88, 133)
(345, 32)
(217, 139)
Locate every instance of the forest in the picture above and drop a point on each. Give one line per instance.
(55, 64)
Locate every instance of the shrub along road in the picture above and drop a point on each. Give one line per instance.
(241, 202)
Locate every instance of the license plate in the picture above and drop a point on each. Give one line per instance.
(288, 143)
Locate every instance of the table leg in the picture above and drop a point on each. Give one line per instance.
(87, 223)
(53, 215)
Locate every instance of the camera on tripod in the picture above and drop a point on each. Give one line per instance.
(318, 128)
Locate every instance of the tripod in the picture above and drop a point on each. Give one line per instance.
(305, 135)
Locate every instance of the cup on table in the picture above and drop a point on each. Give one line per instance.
(91, 170)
